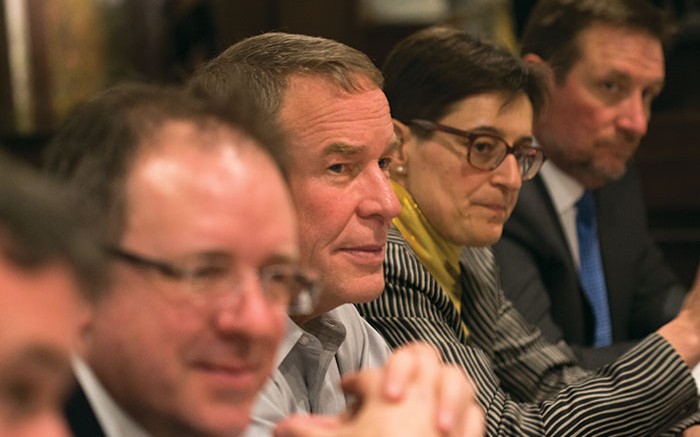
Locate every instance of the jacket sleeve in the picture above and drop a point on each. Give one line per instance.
(634, 263)
(519, 273)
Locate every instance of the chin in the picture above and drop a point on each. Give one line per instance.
(605, 172)
(362, 289)
(483, 237)
(483, 243)
(225, 421)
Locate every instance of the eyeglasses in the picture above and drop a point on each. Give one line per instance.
(283, 284)
(487, 151)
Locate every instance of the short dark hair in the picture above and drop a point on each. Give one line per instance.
(553, 27)
(39, 226)
(433, 69)
(264, 63)
(95, 147)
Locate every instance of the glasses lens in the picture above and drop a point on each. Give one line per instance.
(529, 160)
(486, 152)
(292, 286)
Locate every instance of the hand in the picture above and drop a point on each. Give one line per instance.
(416, 361)
(414, 395)
(683, 332)
(693, 431)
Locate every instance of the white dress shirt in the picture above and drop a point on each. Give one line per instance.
(565, 191)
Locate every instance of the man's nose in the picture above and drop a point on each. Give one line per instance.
(634, 116)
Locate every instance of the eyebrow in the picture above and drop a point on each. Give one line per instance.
(494, 131)
(348, 150)
(342, 149)
(486, 129)
(42, 356)
(624, 75)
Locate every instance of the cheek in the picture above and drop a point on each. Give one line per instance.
(162, 327)
(310, 203)
(581, 114)
(321, 217)
(511, 200)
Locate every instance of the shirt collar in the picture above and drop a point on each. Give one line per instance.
(316, 327)
(294, 333)
(564, 190)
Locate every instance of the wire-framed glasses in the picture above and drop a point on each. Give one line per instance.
(284, 284)
(486, 151)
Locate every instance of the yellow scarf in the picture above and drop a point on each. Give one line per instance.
(438, 255)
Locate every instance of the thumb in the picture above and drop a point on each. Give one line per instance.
(307, 426)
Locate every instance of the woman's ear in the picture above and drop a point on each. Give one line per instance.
(399, 158)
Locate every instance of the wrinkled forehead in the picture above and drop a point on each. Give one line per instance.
(318, 112)
(601, 39)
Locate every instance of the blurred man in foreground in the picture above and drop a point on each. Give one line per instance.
(49, 271)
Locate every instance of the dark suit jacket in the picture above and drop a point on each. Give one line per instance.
(526, 386)
(539, 276)
(80, 416)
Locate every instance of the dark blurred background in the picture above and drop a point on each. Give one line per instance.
(54, 54)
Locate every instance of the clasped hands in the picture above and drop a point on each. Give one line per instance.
(415, 394)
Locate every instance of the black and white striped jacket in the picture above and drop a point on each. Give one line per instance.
(526, 385)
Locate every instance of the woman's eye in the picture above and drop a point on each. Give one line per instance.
(483, 146)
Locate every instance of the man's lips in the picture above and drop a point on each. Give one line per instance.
(365, 253)
(619, 149)
(242, 376)
(227, 368)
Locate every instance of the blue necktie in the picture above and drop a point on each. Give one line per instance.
(591, 271)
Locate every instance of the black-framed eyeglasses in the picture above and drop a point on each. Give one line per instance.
(486, 151)
(284, 284)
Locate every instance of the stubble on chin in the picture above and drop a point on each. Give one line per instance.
(606, 172)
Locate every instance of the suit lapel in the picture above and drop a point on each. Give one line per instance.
(80, 416)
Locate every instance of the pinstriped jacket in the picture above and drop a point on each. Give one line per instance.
(526, 385)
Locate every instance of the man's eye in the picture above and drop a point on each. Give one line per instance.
(384, 163)
(610, 87)
(207, 272)
(337, 168)
(20, 396)
(648, 96)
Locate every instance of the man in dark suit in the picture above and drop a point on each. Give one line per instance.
(48, 267)
(605, 65)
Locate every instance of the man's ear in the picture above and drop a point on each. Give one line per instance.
(531, 58)
(540, 64)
